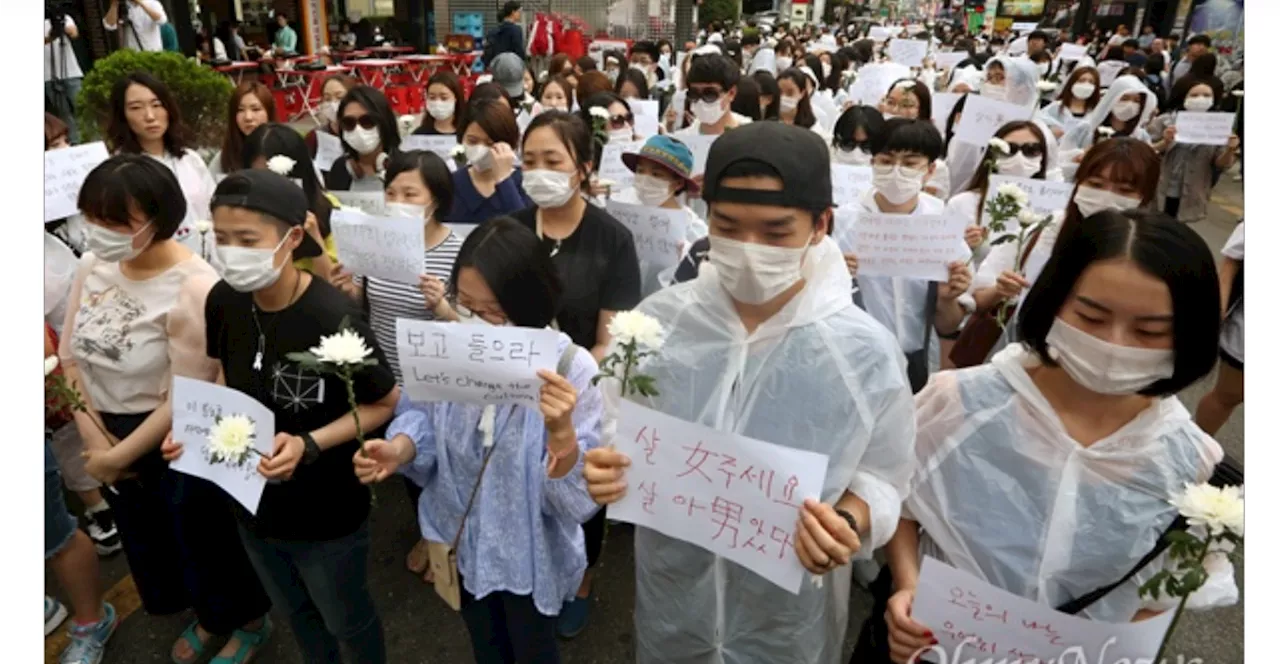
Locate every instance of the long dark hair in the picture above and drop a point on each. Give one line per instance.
(233, 143)
(573, 133)
(375, 103)
(983, 176)
(274, 139)
(120, 138)
(804, 110)
(1066, 96)
(1131, 161)
(510, 258)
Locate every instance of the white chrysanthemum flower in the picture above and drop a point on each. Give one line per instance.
(1211, 507)
(999, 144)
(599, 112)
(230, 438)
(1046, 86)
(1013, 191)
(1028, 217)
(633, 326)
(345, 347)
(407, 122)
(50, 363)
(1106, 132)
(281, 164)
(204, 225)
(458, 151)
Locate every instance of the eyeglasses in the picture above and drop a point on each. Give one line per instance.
(621, 121)
(349, 122)
(468, 315)
(708, 95)
(851, 145)
(901, 105)
(1032, 150)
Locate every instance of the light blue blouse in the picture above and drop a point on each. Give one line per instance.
(523, 535)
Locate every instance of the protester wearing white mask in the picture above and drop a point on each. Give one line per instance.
(1010, 80)
(1116, 175)
(851, 144)
(1123, 111)
(444, 100)
(1079, 95)
(1126, 319)
(331, 93)
(596, 258)
(712, 85)
(766, 343)
(913, 309)
(369, 134)
(1186, 176)
(795, 102)
(910, 99)
(490, 185)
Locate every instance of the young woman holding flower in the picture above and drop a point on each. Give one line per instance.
(137, 319)
(518, 561)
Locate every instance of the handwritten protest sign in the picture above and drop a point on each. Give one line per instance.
(972, 618)
(1109, 71)
(1073, 52)
(909, 52)
(1045, 196)
(369, 202)
(646, 114)
(700, 145)
(611, 166)
(328, 150)
(983, 116)
(383, 247)
(873, 82)
(943, 102)
(843, 221)
(849, 183)
(441, 145)
(197, 406)
(657, 232)
(880, 33)
(64, 173)
(1204, 128)
(733, 496)
(949, 60)
(916, 246)
(479, 364)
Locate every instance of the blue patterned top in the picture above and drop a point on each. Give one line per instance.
(523, 535)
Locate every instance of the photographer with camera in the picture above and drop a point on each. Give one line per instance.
(62, 73)
(139, 26)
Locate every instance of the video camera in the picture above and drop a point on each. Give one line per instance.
(56, 12)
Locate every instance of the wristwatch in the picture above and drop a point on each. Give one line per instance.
(847, 516)
(310, 450)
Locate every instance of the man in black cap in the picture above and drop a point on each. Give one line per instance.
(311, 526)
(766, 343)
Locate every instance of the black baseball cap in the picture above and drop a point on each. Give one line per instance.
(272, 194)
(795, 155)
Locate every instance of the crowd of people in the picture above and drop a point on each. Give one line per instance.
(1062, 427)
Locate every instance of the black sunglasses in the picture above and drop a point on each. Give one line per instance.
(708, 95)
(365, 121)
(854, 145)
(620, 121)
(1032, 150)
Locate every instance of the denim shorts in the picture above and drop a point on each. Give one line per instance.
(59, 525)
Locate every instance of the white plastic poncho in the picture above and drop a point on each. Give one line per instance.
(1080, 137)
(60, 265)
(1004, 493)
(1020, 78)
(820, 375)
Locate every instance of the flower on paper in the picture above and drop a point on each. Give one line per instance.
(1106, 132)
(204, 225)
(345, 347)
(458, 151)
(1029, 217)
(599, 112)
(50, 363)
(1215, 508)
(636, 327)
(999, 145)
(281, 165)
(1014, 192)
(407, 123)
(1046, 86)
(231, 438)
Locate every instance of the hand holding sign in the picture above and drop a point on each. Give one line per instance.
(657, 232)
(474, 363)
(982, 117)
(383, 247)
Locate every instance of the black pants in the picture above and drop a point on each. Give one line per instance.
(180, 538)
(1171, 207)
(873, 641)
(507, 629)
(593, 533)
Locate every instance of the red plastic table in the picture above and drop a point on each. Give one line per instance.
(375, 73)
(235, 71)
(423, 67)
(340, 56)
(391, 51)
(309, 85)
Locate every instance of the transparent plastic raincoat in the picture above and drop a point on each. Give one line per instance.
(1020, 78)
(1080, 137)
(821, 375)
(1003, 492)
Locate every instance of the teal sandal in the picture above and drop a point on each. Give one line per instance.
(197, 646)
(250, 643)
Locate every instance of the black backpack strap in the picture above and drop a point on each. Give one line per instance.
(1228, 473)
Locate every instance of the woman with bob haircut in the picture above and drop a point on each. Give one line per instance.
(135, 319)
(1047, 473)
(518, 561)
(250, 107)
(369, 134)
(490, 184)
(851, 137)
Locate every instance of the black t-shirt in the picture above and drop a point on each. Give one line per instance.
(323, 500)
(599, 268)
(428, 128)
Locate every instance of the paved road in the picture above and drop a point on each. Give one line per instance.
(421, 629)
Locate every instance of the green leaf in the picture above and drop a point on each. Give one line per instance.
(1003, 239)
(344, 324)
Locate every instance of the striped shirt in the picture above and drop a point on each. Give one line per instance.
(388, 300)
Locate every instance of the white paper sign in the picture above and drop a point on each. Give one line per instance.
(646, 114)
(1205, 128)
(873, 82)
(949, 60)
(1109, 70)
(658, 232)
(880, 33)
(982, 117)
(1073, 52)
(909, 52)
(64, 173)
(849, 183)
(480, 364)
(1045, 196)
(731, 495)
(700, 145)
(611, 166)
(368, 202)
(328, 150)
(383, 247)
(441, 145)
(943, 102)
(915, 246)
(197, 405)
(973, 619)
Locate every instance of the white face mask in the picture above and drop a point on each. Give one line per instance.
(1198, 104)
(897, 184)
(441, 110)
(854, 157)
(708, 113)
(1083, 90)
(328, 111)
(755, 273)
(1103, 367)
(1091, 201)
(548, 189)
(113, 246)
(1018, 165)
(623, 134)
(993, 91)
(826, 70)
(613, 75)
(788, 104)
(1125, 111)
(652, 191)
(411, 210)
(248, 269)
(363, 141)
(783, 64)
(476, 154)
